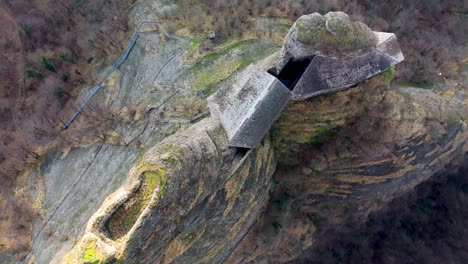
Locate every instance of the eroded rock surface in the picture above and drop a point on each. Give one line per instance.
(332, 35)
(65, 203)
(347, 154)
(341, 156)
(190, 199)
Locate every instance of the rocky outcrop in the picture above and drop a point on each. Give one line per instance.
(70, 184)
(341, 156)
(332, 35)
(189, 199)
(248, 106)
(347, 154)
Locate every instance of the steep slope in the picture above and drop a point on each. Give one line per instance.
(149, 98)
(347, 154)
(341, 157)
(189, 199)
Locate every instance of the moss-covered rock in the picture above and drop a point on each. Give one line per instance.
(89, 250)
(332, 35)
(315, 121)
(122, 220)
(389, 141)
(308, 26)
(190, 198)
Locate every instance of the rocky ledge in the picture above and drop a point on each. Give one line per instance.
(190, 198)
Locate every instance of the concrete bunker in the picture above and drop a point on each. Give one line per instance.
(328, 74)
(248, 106)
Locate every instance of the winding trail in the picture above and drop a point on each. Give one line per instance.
(84, 101)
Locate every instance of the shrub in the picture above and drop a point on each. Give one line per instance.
(31, 73)
(65, 76)
(67, 57)
(60, 94)
(47, 64)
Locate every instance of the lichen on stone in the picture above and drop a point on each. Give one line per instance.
(388, 75)
(152, 179)
(90, 250)
(332, 35)
(169, 153)
(90, 254)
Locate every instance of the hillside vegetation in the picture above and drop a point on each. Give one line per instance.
(49, 51)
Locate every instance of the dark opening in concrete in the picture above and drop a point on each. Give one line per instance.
(240, 154)
(292, 72)
(241, 151)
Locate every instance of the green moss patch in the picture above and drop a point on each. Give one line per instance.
(89, 256)
(388, 75)
(214, 75)
(306, 123)
(290, 152)
(220, 65)
(169, 153)
(323, 134)
(120, 223)
(91, 253)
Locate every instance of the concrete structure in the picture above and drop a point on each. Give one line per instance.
(251, 103)
(325, 75)
(249, 107)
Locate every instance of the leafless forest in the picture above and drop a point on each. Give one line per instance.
(50, 50)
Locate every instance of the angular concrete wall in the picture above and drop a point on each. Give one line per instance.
(325, 74)
(248, 106)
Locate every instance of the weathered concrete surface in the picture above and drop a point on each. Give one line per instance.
(327, 74)
(248, 106)
(388, 45)
(190, 199)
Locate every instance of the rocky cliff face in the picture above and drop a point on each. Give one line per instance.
(187, 197)
(345, 155)
(341, 156)
(152, 96)
(332, 35)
